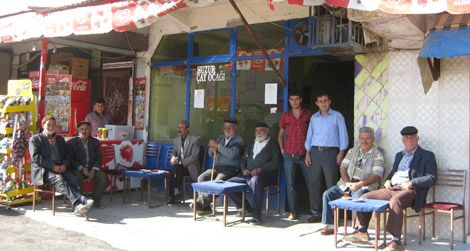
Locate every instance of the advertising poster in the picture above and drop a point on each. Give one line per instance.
(58, 100)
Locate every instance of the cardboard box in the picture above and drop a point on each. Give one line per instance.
(79, 68)
(62, 58)
(58, 69)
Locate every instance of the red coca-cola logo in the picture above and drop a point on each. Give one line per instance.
(79, 85)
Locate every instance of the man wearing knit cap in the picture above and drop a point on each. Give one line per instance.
(407, 185)
(259, 168)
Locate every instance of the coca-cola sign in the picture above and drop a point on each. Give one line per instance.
(80, 90)
(80, 85)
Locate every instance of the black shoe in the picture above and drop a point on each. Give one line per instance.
(174, 200)
(315, 218)
(256, 221)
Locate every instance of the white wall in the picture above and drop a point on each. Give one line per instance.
(442, 118)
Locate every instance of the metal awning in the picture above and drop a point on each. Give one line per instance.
(446, 43)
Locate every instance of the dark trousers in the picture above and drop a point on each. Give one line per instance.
(256, 184)
(176, 178)
(65, 183)
(325, 174)
(291, 166)
(399, 200)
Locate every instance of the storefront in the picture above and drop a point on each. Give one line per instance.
(211, 75)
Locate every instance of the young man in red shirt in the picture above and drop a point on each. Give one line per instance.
(293, 130)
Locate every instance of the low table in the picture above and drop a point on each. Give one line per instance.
(364, 205)
(219, 188)
(147, 175)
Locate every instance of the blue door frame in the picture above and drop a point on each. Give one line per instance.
(232, 58)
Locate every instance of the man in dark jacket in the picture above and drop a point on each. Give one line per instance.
(228, 149)
(86, 160)
(414, 172)
(260, 165)
(50, 163)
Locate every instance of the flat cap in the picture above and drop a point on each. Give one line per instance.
(261, 124)
(408, 130)
(231, 121)
(83, 123)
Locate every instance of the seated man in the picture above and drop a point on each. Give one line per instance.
(49, 163)
(413, 173)
(86, 160)
(259, 167)
(185, 158)
(229, 150)
(361, 171)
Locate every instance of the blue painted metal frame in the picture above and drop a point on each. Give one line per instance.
(232, 58)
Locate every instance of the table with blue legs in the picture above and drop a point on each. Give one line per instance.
(360, 205)
(219, 188)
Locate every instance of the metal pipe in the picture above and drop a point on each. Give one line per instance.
(258, 43)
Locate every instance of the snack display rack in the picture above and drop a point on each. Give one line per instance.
(17, 124)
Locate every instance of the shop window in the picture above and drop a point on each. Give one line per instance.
(210, 99)
(167, 102)
(259, 97)
(172, 48)
(271, 35)
(211, 43)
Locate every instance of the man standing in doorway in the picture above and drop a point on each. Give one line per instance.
(293, 130)
(98, 117)
(326, 143)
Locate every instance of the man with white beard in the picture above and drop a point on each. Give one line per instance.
(50, 163)
(260, 165)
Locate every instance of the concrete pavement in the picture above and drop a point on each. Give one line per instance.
(132, 226)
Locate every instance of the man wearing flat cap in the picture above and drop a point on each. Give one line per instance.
(228, 149)
(185, 160)
(259, 166)
(86, 160)
(407, 185)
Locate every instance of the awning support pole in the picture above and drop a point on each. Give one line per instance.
(42, 81)
(282, 82)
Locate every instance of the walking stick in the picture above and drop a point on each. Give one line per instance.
(213, 166)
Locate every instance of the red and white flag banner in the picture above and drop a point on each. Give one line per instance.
(130, 15)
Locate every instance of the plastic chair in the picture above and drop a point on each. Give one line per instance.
(107, 153)
(275, 185)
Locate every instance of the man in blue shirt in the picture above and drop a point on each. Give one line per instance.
(326, 143)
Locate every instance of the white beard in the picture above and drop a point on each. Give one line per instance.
(49, 132)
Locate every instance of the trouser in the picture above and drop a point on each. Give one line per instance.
(65, 183)
(256, 184)
(325, 174)
(99, 182)
(291, 165)
(176, 178)
(204, 199)
(334, 193)
(398, 200)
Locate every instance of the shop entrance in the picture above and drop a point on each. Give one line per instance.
(335, 75)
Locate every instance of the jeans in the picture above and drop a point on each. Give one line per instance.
(290, 168)
(334, 193)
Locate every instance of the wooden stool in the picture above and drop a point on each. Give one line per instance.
(37, 189)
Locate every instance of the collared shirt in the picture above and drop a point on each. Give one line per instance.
(296, 131)
(182, 148)
(97, 121)
(327, 131)
(227, 140)
(402, 174)
(259, 145)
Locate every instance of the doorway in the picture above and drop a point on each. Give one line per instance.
(335, 75)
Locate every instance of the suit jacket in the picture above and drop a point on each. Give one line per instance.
(41, 156)
(268, 159)
(191, 158)
(422, 174)
(229, 156)
(78, 155)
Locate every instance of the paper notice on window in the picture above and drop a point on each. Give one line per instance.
(199, 98)
(270, 94)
